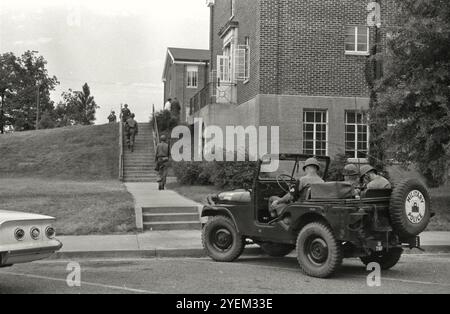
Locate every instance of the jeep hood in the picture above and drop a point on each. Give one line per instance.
(236, 196)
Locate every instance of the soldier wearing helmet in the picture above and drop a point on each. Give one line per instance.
(311, 168)
(132, 131)
(162, 158)
(351, 174)
(374, 181)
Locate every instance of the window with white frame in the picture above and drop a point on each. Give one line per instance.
(247, 58)
(356, 135)
(357, 39)
(315, 132)
(192, 76)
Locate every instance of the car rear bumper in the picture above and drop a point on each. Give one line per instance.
(29, 255)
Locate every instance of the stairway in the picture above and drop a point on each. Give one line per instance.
(170, 218)
(139, 166)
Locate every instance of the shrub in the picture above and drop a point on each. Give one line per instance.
(221, 174)
(166, 121)
(336, 167)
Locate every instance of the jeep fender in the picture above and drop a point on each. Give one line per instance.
(212, 211)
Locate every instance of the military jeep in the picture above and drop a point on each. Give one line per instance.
(327, 224)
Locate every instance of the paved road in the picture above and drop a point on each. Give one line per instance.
(415, 274)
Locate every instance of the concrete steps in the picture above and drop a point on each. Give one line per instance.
(171, 218)
(139, 166)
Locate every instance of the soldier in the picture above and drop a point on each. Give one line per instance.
(312, 167)
(126, 113)
(162, 158)
(351, 175)
(373, 179)
(112, 117)
(132, 131)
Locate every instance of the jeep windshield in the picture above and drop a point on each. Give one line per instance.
(292, 167)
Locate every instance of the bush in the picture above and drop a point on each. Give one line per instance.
(231, 175)
(166, 121)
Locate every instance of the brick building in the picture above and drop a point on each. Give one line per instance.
(185, 73)
(300, 65)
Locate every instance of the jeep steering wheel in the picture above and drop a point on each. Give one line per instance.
(286, 180)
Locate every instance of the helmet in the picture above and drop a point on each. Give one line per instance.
(163, 138)
(366, 169)
(311, 162)
(350, 170)
(133, 115)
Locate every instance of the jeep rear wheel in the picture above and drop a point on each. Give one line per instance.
(318, 251)
(410, 208)
(277, 249)
(386, 259)
(221, 240)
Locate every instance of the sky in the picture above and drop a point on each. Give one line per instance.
(118, 47)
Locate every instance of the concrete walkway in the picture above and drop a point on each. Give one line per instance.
(181, 244)
(147, 195)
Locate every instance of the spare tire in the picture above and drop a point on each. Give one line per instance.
(410, 208)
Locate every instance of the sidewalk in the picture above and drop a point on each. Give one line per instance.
(147, 195)
(180, 244)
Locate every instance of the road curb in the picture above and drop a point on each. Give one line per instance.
(196, 253)
(167, 253)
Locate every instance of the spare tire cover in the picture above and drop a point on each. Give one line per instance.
(410, 208)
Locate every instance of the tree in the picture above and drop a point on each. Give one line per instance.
(8, 79)
(414, 92)
(20, 79)
(77, 107)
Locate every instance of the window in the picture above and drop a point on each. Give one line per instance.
(356, 135)
(247, 58)
(192, 76)
(315, 132)
(357, 40)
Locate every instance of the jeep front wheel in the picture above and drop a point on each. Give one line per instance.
(221, 240)
(277, 249)
(386, 259)
(318, 251)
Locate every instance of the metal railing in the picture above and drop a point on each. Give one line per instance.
(155, 129)
(121, 150)
(203, 98)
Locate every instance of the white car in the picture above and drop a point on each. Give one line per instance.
(26, 237)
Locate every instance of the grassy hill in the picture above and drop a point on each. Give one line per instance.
(73, 153)
(70, 174)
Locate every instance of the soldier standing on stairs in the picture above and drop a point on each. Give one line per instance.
(132, 130)
(162, 158)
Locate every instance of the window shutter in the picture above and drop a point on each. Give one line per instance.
(240, 63)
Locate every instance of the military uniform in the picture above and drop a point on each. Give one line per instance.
(112, 118)
(298, 192)
(162, 157)
(379, 183)
(132, 130)
(126, 114)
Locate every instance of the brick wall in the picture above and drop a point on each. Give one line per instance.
(302, 47)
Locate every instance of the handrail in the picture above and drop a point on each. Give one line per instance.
(155, 130)
(121, 150)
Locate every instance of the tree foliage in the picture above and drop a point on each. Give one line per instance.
(20, 79)
(414, 91)
(76, 108)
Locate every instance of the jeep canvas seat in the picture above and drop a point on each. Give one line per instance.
(332, 190)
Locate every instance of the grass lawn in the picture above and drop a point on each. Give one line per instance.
(196, 193)
(81, 208)
(440, 202)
